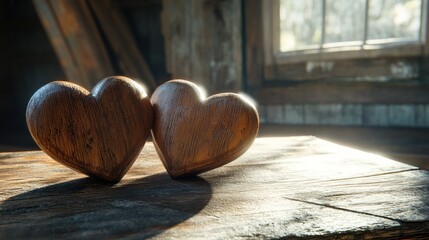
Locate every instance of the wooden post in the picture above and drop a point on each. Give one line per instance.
(203, 42)
(76, 40)
(254, 39)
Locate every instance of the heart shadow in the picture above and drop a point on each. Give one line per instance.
(85, 208)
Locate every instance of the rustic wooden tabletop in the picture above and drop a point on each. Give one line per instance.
(296, 187)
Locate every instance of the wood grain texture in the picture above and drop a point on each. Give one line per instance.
(253, 41)
(76, 40)
(194, 134)
(119, 35)
(203, 42)
(99, 133)
(335, 92)
(57, 39)
(360, 70)
(284, 187)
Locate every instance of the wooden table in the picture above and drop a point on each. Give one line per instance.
(297, 187)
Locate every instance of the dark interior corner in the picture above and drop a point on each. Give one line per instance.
(28, 61)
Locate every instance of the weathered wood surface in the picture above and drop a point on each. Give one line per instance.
(297, 187)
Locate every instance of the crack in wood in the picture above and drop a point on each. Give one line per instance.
(354, 211)
(371, 175)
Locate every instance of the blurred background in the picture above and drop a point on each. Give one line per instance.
(352, 72)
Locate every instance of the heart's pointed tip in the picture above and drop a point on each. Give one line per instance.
(183, 176)
(106, 180)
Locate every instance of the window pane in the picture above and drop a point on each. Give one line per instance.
(345, 20)
(300, 24)
(394, 19)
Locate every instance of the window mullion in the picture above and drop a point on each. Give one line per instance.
(322, 40)
(423, 21)
(365, 31)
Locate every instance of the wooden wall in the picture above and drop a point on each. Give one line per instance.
(368, 115)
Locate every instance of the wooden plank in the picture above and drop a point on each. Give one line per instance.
(294, 114)
(275, 114)
(295, 187)
(322, 114)
(402, 196)
(204, 42)
(400, 50)
(200, 43)
(57, 39)
(223, 28)
(376, 70)
(394, 115)
(174, 27)
(345, 92)
(119, 35)
(253, 41)
(76, 40)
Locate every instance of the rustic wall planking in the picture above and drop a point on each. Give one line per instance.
(344, 93)
(253, 41)
(203, 42)
(295, 187)
(73, 34)
(119, 35)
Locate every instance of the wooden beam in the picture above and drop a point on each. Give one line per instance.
(379, 69)
(119, 35)
(254, 51)
(57, 38)
(366, 93)
(76, 40)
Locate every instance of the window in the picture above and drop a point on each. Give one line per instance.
(320, 32)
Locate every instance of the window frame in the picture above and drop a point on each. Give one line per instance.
(270, 84)
(274, 57)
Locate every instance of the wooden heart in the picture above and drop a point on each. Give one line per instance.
(193, 134)
(99, 133)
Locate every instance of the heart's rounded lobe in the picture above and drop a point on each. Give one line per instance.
(99, 133)
(193, 134)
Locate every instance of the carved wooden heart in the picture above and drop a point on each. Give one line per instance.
(193, 135)
(99, 133)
